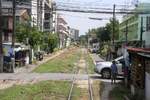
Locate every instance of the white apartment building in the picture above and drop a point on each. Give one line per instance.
(40, 12)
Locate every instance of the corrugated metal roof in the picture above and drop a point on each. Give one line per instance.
(140, 50)
(144, 55)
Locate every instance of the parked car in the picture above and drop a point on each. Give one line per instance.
(104, 67)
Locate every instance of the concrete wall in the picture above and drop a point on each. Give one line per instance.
(146, 34)
(146, 38)
(147, 88)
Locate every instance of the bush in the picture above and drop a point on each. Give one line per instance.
(139, 95)
(119, 92)
(56, 49)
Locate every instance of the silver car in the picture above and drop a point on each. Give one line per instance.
(104, 67)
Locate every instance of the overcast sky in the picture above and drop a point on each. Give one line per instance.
(82, 22)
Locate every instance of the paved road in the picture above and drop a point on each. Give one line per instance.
(41, 76)
(107, 82)
(96, 58)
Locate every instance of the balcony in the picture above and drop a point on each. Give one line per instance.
(8, 4)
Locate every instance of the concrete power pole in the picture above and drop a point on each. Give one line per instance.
(141, 33)
(14, 23)
(38, 4)
(126, 33)
(1, 40)
(13, 35)
(113, 35)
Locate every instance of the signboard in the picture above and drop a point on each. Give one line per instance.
(6, 49)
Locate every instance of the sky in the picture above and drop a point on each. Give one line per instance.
(82, 22)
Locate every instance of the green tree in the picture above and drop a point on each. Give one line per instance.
(103, 34)
(109, 27)
(24, 31)
(50, 42)
(83, 39)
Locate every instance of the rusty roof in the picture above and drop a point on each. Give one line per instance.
(139, 50)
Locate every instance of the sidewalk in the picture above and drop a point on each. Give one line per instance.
(107, 88)
(96, 58)
(107, 85)
(30, 67)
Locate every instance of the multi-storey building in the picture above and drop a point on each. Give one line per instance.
(22, 12)
(21, 16)
(54, 26)
(137, 25)
(74, 34)
(40, 12)
(62, 30)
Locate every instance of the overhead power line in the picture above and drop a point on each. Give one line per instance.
(62, 6)
(69, 9)
(99, 11)
(92, 18)
(91, 4)
(94, 8)
(102, 12)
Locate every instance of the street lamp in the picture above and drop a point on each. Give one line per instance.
(95, 18)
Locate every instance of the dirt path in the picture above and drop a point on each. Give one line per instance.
(23, 75)
(29, 68)
(83, 84)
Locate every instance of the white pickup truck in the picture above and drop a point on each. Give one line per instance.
(104, 67)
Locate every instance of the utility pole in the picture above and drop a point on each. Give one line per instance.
(14, 23)
(126, 42)
(113, 34)
(1, 40)
(126, 32)
(88, 45)
(13, 35)
(141, 33)
(38, 4)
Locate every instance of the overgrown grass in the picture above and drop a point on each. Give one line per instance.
(90, 64)
(119, 92)
(62, 64)
(47, 90)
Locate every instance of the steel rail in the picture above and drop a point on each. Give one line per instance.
(90, 89)
(71, 89)
(72, 84)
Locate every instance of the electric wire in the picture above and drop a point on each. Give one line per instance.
(87, 10)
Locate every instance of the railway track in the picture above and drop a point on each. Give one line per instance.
(84, 68)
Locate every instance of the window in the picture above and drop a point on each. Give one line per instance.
(148, 24)
(46, 25)
(5, 22)
(47, 16)
(6, 36)
(7, 0)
